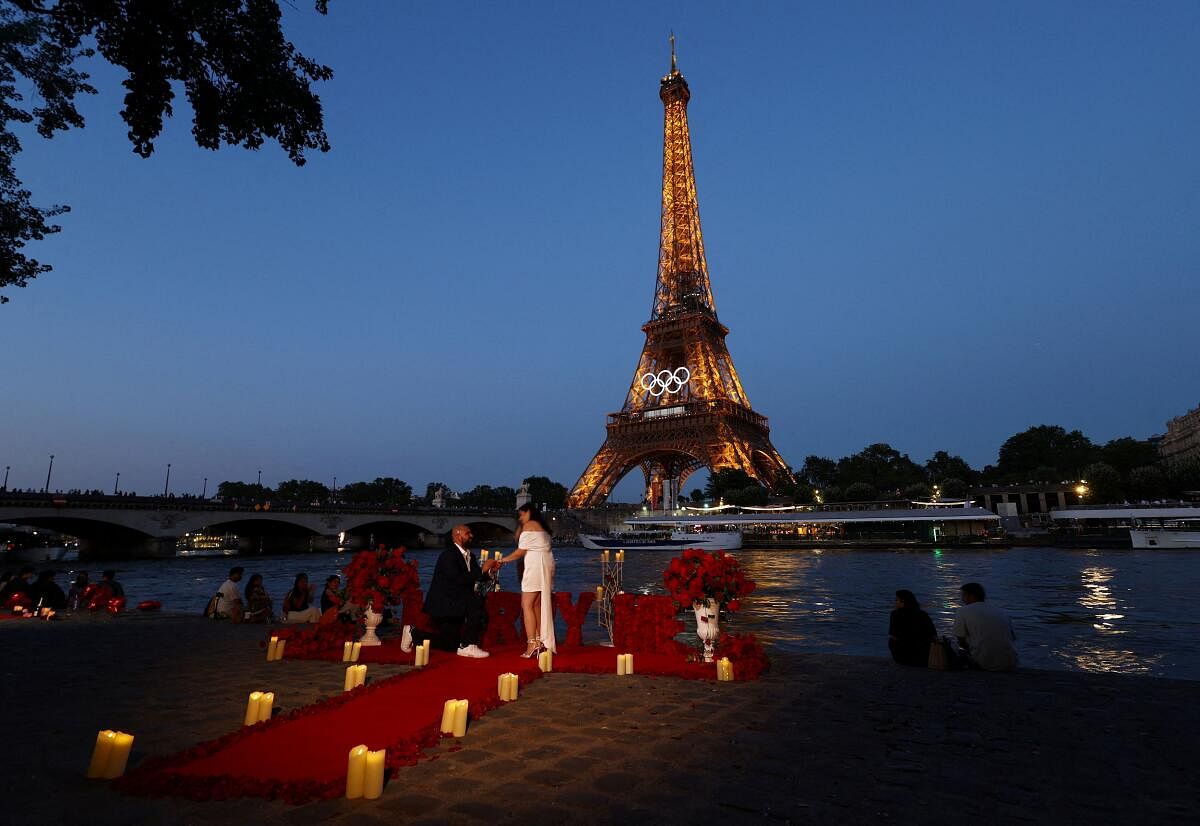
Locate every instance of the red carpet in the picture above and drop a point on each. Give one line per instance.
(301, 755)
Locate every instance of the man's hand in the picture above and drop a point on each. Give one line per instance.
(491, 565)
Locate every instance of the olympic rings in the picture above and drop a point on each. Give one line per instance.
(665, 381)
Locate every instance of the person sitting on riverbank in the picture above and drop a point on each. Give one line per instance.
(331, 596)
(297, 605)
(910, 631)
(985, 632)
(230, 604)
(109, 578)
(45, 592)
(18, 590)
(75, 595)
(258, 603)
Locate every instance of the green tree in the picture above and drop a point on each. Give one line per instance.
(1183, 477)
(859, 492)
(486, 496)
(1127, 453)
(302, 490)
(916, 492)
(244, 81)
(819, 472)
(954, 488)
(1045, 446)
(722, 483)
(244, 490)
(943, 465)
(697, 496)
(882, 467)
(1104, 484)
(546, 492)
(1147, 482)
(752, 494)
(384, 490)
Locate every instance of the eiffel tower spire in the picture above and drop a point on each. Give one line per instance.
(685, 408)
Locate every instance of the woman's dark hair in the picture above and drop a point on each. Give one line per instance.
(535, 515)
(907, 599)
(331, 578)
(296, 583)
(255, 579)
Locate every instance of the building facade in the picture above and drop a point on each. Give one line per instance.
(1182, 439)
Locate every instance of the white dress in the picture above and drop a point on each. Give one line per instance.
(539, 576)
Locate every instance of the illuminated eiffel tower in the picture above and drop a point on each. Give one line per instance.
(686, 408)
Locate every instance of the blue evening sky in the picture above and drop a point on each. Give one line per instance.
(930, 224)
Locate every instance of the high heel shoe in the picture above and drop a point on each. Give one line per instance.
(534, 648)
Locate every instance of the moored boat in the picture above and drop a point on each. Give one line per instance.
(201, 544)
(1165, 534)
(662, 540)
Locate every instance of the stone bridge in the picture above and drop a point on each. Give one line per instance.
(113, 526)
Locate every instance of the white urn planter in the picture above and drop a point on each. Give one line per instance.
(372, 619)
(707, 626)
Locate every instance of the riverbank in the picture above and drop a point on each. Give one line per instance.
(821, 738)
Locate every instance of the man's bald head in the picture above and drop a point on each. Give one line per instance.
(461, 535)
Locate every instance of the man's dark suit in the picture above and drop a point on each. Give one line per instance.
(456, 609)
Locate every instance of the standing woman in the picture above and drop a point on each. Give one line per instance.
(537, 582)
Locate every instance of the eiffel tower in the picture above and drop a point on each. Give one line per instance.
(686, 408)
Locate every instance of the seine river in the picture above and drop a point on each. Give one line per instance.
(1093, 610)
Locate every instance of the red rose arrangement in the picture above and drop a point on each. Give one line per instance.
(697, 576)
(746, 653)
(381, 578)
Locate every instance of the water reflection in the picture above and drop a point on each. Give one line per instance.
(1097, 594)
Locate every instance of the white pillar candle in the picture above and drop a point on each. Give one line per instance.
(118, 757)
(252, 708)
(448, 717)
(514, 686)
(502, 686)
(356, 772)
(604, 557)
(620, 665)
(348, 683)
(279, 649)
(460, 718)
(347, 647)
(100, 753)
(355, 650)
(360, 675)
(483, 555)
(628, 663)
(373, 775)
(546, 661)
(266, 705)
(271, 645)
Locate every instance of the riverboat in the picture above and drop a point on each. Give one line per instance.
(1165, 534)
(200, 544)
(663, 539)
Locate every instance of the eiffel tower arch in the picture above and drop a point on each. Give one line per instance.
(686, 407)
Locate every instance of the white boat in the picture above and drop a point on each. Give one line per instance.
(1165, 534)
(663, 540)
(200, 544)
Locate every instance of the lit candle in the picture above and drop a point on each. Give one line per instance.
(354, 651)
(252, 708)
(483, 556)
(724, 670)
(101, 752)
(418, 656)
(498, 555)
(514, 685)
(348, 683)
(266, 704)
(356, 772)
(604, 557)
(118, 757)
(347, 650)
(279, 649)
(546, 661)
(448, 716)
(502, 686)
(621, 556)
(271, 646)
(360, 675)
(599, 592)
(628, 663)
(620, 665)
(373, 775)
(460, 718)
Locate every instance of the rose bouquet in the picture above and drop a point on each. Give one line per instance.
(380, 578)
(698, 576)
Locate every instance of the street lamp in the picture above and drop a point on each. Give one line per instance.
(6, 469)
(117, 484)
(204, 490)
(260, 477)
(167, 483)
(46, 489)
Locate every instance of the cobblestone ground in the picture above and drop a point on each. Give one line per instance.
(821, 739)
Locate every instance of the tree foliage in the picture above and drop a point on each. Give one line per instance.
(881, 466)
(728, 481)
(244, 490)
(302, 490)
(486, 496)
(545, 492)
(245, 82)
(943, 465)
(384, 490)
(1048, 448)
(1103, 482)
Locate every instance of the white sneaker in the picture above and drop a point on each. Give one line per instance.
(472, 651)
(406, 639)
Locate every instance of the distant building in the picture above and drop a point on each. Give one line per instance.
(1031, 498)
(1182, 439)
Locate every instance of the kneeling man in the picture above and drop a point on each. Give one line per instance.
(454, 602)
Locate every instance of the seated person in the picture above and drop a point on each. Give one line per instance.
(75, 595)
(46, 593)
(985, 632)
(910, 631)
(331, 596)
(297, 605)
(258, 604)
(18, 589)
(231, 604)
(115, 588)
